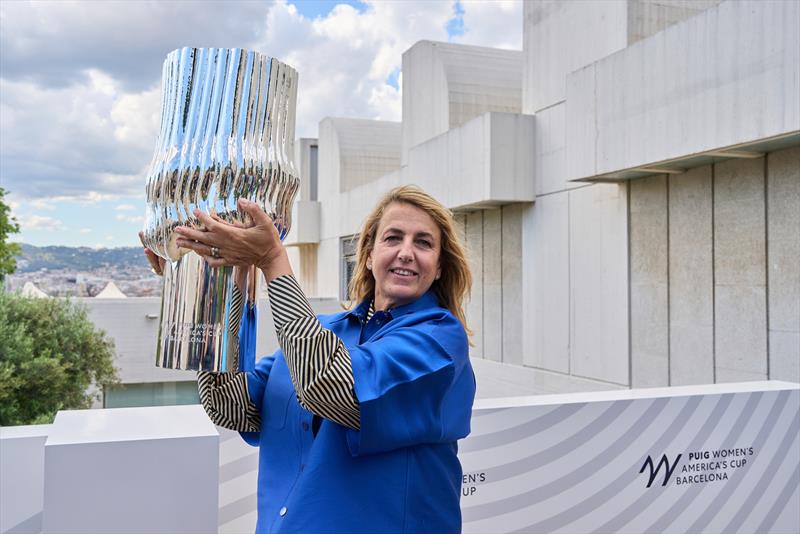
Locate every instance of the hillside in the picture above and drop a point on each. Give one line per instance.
(78, 259)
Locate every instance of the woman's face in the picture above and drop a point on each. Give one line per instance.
(405, 258)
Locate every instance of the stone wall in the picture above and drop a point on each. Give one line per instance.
(715, 273)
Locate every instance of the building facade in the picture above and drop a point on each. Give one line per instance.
(628, 186)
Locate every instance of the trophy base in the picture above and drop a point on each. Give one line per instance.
(201, 314)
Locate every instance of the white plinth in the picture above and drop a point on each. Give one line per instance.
(22, 477)
(132, 470)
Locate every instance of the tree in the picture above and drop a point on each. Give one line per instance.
(8, 251)
(50, 355)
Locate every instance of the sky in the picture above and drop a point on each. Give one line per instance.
(80, 87)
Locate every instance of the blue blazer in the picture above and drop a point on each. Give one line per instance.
(399, 472)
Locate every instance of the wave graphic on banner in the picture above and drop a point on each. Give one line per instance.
(525, 430)
(666, 516)
(571, 474)
(577, 467)
(680, 464)
(642, 504)
(760, 490)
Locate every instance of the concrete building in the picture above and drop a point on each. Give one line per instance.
(628, 186)
(133, 325)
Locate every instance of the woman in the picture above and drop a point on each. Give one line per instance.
(357, 416)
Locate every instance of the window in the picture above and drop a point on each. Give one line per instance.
(150, 394)
(313, 172)
(348, 266)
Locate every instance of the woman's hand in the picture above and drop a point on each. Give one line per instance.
(156, 262)
(226, 244)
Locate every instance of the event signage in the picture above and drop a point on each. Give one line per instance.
(715, 458)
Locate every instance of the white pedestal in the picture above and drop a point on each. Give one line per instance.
(22, 477)
(132, 470)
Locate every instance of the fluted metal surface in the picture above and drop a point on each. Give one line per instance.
(227, 132)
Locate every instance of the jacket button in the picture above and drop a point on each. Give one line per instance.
(282, 511)
(305, 426)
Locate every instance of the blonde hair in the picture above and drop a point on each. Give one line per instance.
(453, 286)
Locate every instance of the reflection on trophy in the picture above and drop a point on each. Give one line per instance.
(227, 131)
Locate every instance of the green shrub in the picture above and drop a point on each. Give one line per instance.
(50, 355)
(8, 251)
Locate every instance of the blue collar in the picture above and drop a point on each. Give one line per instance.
(361, 311)
(428, 300)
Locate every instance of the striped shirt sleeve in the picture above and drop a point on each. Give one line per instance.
(227, 402)
(224, 396)
(318, 361)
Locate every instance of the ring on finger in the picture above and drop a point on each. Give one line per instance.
(214, 252)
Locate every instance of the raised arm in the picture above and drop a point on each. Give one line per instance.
(317, 359)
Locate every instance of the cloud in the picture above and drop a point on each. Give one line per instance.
(496, 24)
(92, 197)
(42, 204)
(64, 142)
(80, 81)
(40, 222)
(126, 207)
(85, 231)
(136, 219)
(55, 43)
(345, 58)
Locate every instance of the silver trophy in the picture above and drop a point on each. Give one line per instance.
(227, 131)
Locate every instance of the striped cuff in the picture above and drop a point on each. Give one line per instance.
(320, 367)
(227, 402)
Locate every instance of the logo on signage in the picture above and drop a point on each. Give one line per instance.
(703, 466)
(664, 462)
